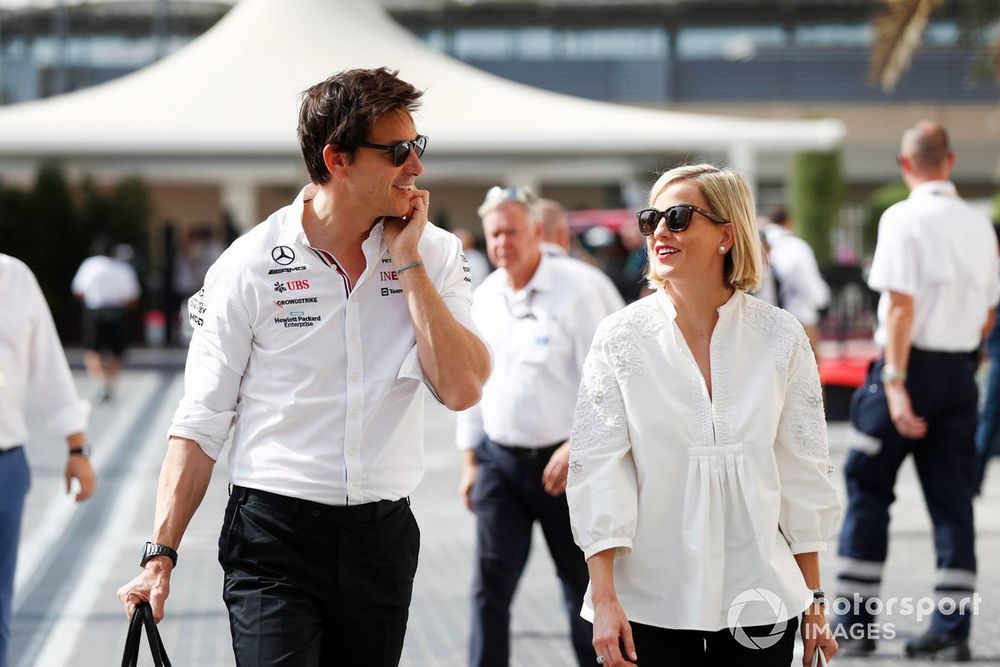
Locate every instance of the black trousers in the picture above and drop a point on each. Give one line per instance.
(943, 390)
(662, 647)
(508, 498)
(310, 585)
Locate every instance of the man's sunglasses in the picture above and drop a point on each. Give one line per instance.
(678, 218)
(399, 151)
(521, 194)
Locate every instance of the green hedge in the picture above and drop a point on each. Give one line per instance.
(817, 192)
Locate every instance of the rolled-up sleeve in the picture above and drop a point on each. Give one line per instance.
(602, 491)
(216, 361)
(810, 507)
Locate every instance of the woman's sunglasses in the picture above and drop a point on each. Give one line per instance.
(400, 151)
(678, 218)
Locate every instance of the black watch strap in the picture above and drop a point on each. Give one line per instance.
(80, 451)
(152, 550)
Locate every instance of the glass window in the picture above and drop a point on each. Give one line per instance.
(834, 35)
(614, 44)
(941, 34)
(483, 44)
(731, 43)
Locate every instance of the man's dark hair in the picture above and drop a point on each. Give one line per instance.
(342, 109)
(778, 214)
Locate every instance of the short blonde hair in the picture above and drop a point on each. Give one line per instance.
(729, 197)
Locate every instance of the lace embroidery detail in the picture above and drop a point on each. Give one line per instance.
(624, 333)
(776, 326)
(723, 383)
(808, 426)
(599, 415)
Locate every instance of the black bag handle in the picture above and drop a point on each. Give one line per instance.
(143, 616)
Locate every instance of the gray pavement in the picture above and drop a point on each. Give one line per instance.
(74, 558)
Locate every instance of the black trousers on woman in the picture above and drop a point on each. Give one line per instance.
(662, 647)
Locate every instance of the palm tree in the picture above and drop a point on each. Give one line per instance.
(899, 27)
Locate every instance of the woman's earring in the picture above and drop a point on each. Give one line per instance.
(722, 250)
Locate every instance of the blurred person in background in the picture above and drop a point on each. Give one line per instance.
(699, 466)
(988, 427)
(315, 334)
(32, 365)
(801, 289)
(632, 281)
(938, 272)
(557, 242)
(479, 266)
(538, 313)
(108, 287)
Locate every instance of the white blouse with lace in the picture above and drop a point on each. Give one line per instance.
(702, 497)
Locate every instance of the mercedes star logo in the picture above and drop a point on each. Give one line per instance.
(283, 255)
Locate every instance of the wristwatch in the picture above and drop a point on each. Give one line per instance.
(819, 597)
(891, 374)
(152, 549)
(83, 451)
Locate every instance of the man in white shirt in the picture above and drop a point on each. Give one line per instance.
(801, 289)
(108, 287)
(315, 333)
(936, 267)
(32, 365)
(556, 243)
(538, 313)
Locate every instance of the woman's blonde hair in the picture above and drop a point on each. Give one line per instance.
(729, 197)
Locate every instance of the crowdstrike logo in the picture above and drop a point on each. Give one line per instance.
(758, 599)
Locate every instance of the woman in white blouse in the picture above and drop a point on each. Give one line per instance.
(699, 484)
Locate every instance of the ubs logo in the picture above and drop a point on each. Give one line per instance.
(282, 255)
(281, 287)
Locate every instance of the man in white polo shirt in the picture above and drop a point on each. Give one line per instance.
(936, 266)
(539, 314)
(32, 366)
(315, 333)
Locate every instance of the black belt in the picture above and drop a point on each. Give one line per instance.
(529, 452)
(364, 512)
(940, 355)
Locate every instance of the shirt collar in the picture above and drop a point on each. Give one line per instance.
(293, 232)
(939, 188)
(540, 281)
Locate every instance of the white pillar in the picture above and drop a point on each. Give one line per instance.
(239, 199)
(743, 159)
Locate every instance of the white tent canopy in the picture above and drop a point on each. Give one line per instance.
(229, 101)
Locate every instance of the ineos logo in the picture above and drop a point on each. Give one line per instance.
(283, 255)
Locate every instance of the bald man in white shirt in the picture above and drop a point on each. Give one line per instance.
(315, 334)
(32, 366)
(936, 266)
(539, 313)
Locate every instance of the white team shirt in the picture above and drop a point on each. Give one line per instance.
(942, 252)
(32, 362)
(803, 290)
(703, 497)
(539, 337)
(105, 282)
(321, 377)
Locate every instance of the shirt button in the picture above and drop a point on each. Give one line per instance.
(355, 412)
(354, 335)
(353, 451)
(354, 377)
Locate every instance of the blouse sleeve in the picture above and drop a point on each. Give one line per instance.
(810, 507)
(602, 490)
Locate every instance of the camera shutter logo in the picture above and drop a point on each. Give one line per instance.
(757, 596)
(282, 255)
